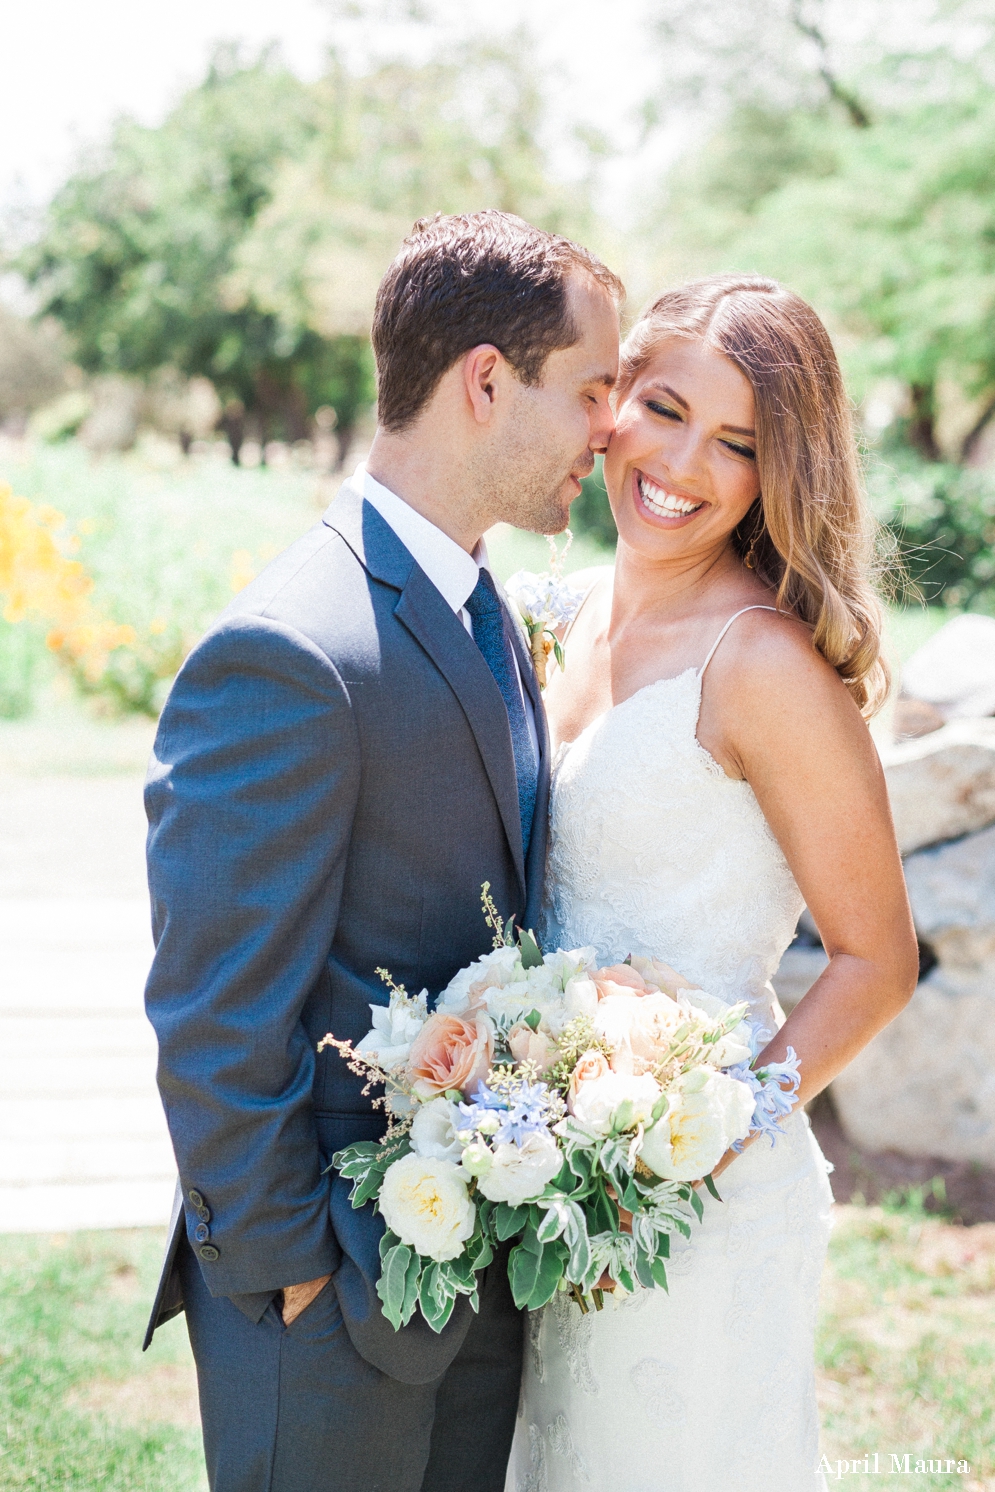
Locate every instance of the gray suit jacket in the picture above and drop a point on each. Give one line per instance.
(332, 781)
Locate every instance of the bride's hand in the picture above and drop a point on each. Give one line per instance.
(727, 1160)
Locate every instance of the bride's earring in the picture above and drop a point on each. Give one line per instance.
(750, 557)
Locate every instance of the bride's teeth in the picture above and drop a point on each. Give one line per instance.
(662, 502)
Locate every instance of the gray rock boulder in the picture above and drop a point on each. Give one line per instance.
(926, 1084)
(954, 671)
(943, 785)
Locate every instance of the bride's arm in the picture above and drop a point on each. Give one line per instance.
(777, 714)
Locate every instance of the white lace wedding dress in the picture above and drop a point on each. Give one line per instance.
(709, 1388)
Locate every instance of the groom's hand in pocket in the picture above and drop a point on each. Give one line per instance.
(297, 1298)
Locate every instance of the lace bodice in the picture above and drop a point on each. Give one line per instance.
(655, 850)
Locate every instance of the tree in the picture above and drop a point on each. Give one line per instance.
(137, 245)
(878, 204)
(244, 238)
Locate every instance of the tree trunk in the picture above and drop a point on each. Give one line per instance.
(921, 433)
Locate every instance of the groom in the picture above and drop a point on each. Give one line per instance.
(355, 746)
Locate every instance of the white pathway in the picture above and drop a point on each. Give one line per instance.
(83, 1142)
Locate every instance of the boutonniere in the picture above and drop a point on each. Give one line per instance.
(544, 603)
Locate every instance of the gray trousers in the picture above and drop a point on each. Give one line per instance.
(296, 1409)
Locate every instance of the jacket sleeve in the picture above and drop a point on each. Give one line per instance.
(250, 797)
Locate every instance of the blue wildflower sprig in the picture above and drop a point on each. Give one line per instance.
(510, 1108)
(775, 1088)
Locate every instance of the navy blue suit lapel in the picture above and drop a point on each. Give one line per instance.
(436, 627)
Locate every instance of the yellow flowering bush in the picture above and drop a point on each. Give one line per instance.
(39, 582)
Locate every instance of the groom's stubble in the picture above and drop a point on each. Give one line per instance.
(528, 476)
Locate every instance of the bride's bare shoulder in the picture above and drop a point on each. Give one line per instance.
(771, 656)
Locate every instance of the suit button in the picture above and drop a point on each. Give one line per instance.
(195, 1197)
(204, 1213)
(202, 1232)
(209, 1252)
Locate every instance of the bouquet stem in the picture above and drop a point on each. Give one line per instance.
(578, 1296)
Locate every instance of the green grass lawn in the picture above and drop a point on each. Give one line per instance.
(80, 1407)
(906, 1346)
(906, 1351)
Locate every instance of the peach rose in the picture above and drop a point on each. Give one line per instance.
(659, 975)
(450, 1052)
(617, 979)
(593, 1064)
(527, 1045)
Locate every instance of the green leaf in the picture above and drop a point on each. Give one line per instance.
(509, 1220)
(559, 654)
(436, 1296)
(369, 1187)
(711, 1187)
(411, 1282)
(698, 1205)
(535, 1275)
(391, 1286)
(659, 1272)
(356, 1160)
(565, 1218)
(529, 950)
(532, 1019)
(602, 1214)
(387, 1242)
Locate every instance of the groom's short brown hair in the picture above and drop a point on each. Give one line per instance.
(460, 281)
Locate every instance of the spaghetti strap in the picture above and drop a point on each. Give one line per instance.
(725, 629)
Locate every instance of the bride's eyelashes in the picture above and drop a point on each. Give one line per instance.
(744, 451)
(663, 409)
(667, 412)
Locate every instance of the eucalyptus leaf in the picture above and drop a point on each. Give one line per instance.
(529, 950)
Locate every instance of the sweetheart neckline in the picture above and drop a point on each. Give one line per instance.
(673, 678)
(714, 768)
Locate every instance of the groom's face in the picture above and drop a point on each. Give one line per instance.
(550, 433)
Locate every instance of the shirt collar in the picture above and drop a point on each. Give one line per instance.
(451, 570)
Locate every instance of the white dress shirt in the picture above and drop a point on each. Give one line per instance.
(452, 571)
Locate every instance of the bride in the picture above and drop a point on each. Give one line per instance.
(715, 774)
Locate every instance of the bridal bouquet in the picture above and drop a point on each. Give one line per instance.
(541, 1096)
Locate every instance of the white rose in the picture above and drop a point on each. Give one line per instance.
(597, 1102)
(637, 1026)
(433, 1133)
(426, 1203)
(707, 1112)
(736, 1045)
(498, 967)
(519, 1172)
(570, 963)
(580, 997)
(395, 1027)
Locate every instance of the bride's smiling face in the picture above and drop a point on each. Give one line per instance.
(681, 468)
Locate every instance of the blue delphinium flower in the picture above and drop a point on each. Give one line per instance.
(522, 1109)
(774, 1101)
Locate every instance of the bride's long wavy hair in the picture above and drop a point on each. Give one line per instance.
(810, 535)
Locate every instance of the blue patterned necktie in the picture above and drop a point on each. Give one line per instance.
(491, 633)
